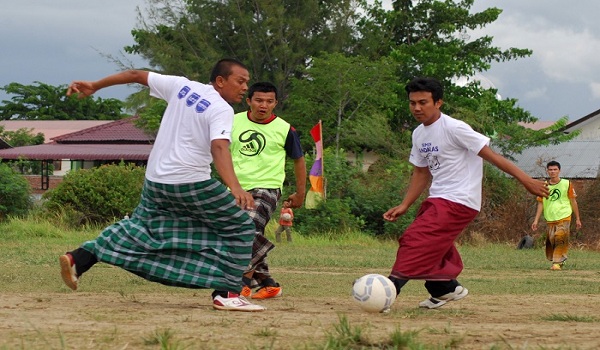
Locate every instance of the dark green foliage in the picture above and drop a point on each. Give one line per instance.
(331, 216)
(357, 199)
(97, 195)
(15, 193)
(47, 102)
(24, 137)
(379, 189)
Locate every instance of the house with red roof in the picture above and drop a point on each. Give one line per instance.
(106, 143)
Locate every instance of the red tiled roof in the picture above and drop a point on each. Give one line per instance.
(117, 140)
(119, 131)
(55, 151)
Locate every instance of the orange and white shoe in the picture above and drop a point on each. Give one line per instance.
(246, 292)
(267, 293)
(235, 302)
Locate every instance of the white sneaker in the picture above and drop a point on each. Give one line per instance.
(235, 302)
(433, 303)
(67, 271)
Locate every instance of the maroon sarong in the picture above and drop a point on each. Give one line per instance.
(427, 248)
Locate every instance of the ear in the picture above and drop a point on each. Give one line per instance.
(220, 81)
(439, 103)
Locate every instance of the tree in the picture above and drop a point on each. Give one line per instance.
(351, 96)
(19, 138)
(46, 102)
(275, 38)
(430, 38)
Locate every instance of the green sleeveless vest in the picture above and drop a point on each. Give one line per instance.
(557, 206)
(258, 152)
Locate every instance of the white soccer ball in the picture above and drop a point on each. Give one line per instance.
(286, 217)
(374, 293)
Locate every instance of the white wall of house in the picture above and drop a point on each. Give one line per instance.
(590, 129)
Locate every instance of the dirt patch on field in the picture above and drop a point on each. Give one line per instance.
(187, 321)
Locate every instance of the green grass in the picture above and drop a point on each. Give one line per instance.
(312, 267)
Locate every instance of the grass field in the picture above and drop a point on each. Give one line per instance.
(516, 302)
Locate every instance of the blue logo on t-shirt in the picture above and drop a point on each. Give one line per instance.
(202, 105)
(192, 99)
(184, 91)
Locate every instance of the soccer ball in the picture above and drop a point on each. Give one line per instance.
(286, 217)
(374, 293)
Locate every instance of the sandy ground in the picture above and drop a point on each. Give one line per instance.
(116, 321)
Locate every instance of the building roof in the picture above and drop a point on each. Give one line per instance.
(578, 159)
(98, 151)
(119, 131)
(51, 128)
(116, 140)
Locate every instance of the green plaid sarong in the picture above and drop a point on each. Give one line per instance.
(190, 235)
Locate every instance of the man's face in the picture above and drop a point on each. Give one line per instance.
(261, 105)
(234, 87)
(423, 108)
(553, 171)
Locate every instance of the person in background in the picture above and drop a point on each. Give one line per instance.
(447, 155)
(260, 143)
(188, 229)
(557, 209)
(286, 219)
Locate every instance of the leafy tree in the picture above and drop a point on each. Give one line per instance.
(430, 38)
(46, 102)
(275, 38)
(19, 138)
(350, 94)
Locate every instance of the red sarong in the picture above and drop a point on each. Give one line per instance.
(427, 248)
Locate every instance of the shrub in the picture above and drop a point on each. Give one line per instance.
(98, 195)
(15, 193)
(330, 216)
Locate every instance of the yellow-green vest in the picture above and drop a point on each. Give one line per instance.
(558, 205)
(258, 152)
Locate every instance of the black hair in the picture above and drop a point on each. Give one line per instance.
(262, 86)
(223, 68)
(426, 84)
(553, 163)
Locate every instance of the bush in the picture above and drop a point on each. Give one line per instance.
(15, 193)
(330, 216)
(98, 195)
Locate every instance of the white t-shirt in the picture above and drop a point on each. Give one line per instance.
(196, 114)
(449, 147)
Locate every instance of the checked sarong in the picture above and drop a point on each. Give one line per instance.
(189, 235)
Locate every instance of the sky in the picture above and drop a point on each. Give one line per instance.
(58, 41)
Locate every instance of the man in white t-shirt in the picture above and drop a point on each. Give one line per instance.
(449, 154)
(188, 230)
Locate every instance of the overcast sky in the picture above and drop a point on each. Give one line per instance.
(58, 41)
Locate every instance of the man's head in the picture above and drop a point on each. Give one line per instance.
(230, 78)
(553, 169)
(262, 99)
(425, 99)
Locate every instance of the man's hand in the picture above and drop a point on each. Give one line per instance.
(243, 199)
(81, 88)
(394, 213)
(295, 200)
